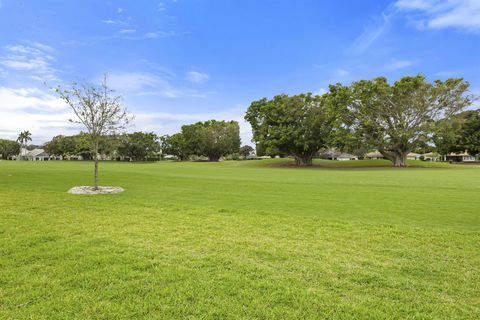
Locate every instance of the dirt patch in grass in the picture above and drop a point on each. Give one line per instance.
(92, 190)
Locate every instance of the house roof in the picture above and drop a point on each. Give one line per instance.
(331, 154)
(374, 154)
(347, 155)
(37, 153)
(431, 154)
(459, 154)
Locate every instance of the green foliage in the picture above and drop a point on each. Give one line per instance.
(212, 138)
(298, 125)
(9, 148)
(175, 145)
(83, 145)
(399, 118)
(139, 146)
(23, 138)
(62, 145)
(246, 150)
(459, 133)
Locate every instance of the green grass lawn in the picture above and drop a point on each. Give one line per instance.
(240, 240)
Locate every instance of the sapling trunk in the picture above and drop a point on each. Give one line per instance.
(95, 173)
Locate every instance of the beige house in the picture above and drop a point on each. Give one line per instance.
(413, 156)
(431, 156)
(375, 155)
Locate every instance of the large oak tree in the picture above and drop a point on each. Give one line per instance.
(212, 138)
(139, 146)
(397, 118)
(175, 145)
(295, 125)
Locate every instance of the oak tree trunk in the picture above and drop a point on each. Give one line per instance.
(398, 158)
(214, 158)
(303, 160)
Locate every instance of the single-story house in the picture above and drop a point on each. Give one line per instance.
(431, 156)
(375, 155)
(330, 155)
(347, 157)
(461, 157)
(413, 156)
(37, 155)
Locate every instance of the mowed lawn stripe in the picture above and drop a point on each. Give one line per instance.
(184, 241)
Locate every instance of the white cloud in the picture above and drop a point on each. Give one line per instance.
(134, 81)
(414, 4)
(342, 72)
(35, 110)
(371, 34)
(440, 14)
(29, 99)
(43, 47)
(422, 14)
(127, 31)
(161, 6)
(35, 59)
(398, 64)
(197, 77)
(109, 21)
(321, 91)
(150, 84)
(158, 34)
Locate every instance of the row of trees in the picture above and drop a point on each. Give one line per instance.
(212, 139)
(9, 149)
(137, 146)
(459, 133)
(369, 114)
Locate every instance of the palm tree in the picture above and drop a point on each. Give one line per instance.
(23, 138)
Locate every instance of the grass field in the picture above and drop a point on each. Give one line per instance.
(239, 240)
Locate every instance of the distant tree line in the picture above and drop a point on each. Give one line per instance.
(369, 114)
(211, 139)
(459, 133)
(136, 146)
(9, 149)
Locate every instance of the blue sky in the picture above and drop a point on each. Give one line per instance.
(182, 61)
